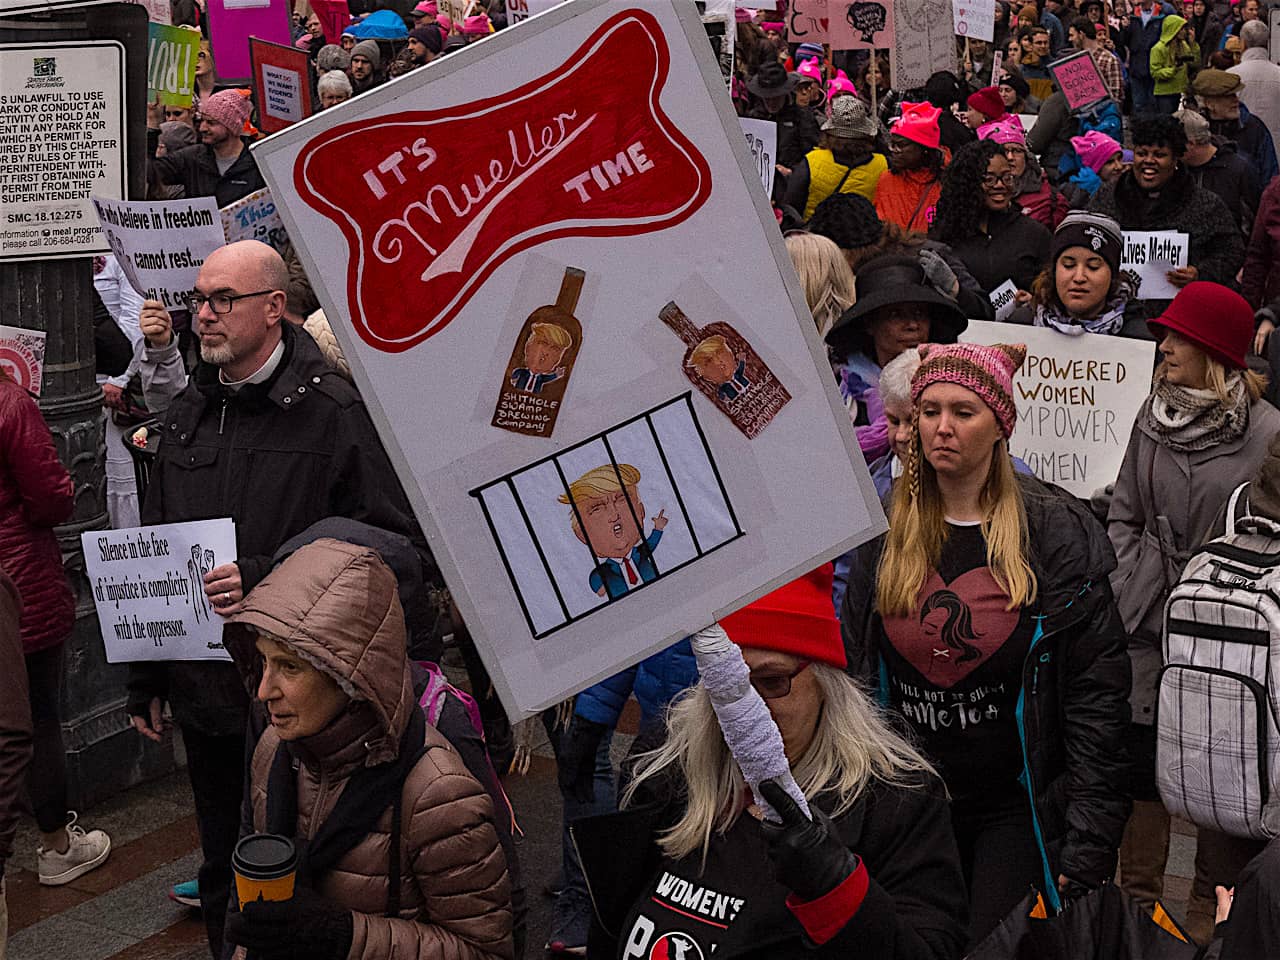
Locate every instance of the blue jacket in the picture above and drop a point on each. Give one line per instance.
(655, 681)
(1139, 39)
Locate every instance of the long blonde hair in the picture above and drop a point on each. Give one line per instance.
(918, 528)
(851, 746)
(824, 275)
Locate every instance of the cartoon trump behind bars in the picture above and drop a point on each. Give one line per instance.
(608, 516)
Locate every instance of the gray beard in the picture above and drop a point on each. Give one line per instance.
(218, 356)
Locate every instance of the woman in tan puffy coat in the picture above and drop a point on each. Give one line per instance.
(322, 637)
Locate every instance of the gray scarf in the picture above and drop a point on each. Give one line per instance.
(1186, 420)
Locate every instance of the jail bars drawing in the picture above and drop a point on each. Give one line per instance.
(598, 521)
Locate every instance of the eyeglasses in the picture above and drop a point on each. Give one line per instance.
(990, 180)
(219, 302)
(775, 686)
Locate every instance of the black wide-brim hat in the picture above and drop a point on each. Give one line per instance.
(773, 80)
(886, 281)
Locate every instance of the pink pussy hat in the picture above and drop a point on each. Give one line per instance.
(810, 70)
(477, 26)
(840, 83)
(1003, 132)
(919, 123)
(1095, 149)
(987, 371)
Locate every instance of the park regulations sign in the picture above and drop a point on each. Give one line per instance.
(612, 431)
(61, 140)
(1077, 397)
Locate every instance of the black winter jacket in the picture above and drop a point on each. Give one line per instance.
(1233, 180)
(1074, 706)
(1216, 249)
(196, 170)
(275, 458)
(915, 907)
(1015, 248)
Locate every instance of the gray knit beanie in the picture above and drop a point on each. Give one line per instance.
(370, 50)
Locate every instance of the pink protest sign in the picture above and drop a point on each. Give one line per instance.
(860, 24)
(1079, 80)
(232, 22)
(808, 21)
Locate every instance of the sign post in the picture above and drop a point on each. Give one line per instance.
(597, 430)
(62, 136)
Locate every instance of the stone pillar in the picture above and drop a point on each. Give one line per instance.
(103, 754)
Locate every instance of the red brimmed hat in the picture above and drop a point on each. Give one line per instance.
(1217, 320)
(797, 619)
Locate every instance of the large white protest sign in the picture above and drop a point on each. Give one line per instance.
(762, 141)
(1150, 256)
(61, 140)
(161, 245)
(1077, 397)
(609, 436)
(148, 587)
(254, 217)
(22, 356)
(922, 41)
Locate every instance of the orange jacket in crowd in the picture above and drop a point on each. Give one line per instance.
(908, 198)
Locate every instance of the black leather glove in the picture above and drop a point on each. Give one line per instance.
(808, 857)
(308, 927)
(576, 768)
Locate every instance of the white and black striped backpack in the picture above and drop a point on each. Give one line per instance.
(1218, 701)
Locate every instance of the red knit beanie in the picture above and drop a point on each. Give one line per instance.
(797, 618)
(987, 102)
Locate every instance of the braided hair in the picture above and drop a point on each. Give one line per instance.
(960, 209)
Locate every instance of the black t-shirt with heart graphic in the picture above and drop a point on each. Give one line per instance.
(955, 665)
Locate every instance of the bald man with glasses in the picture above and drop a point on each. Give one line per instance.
(267, 433)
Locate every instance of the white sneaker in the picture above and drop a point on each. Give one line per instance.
(85, 851)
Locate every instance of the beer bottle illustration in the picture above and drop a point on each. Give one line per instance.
(727, 371)
(541, 363)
